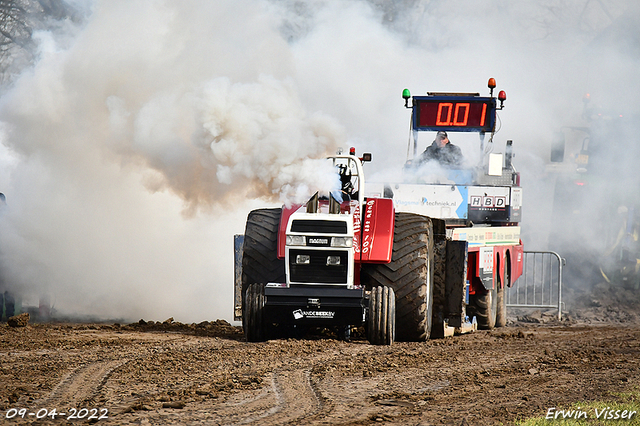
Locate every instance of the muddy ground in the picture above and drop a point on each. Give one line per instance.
(173, 373)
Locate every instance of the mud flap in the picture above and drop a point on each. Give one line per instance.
(238, 241)
(438, 325)
(455, 283)
(451, 289)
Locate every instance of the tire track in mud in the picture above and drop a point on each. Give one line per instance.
(80, 384)
(297, 396)
(292, 398)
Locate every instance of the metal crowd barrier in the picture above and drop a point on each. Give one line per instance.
(540, 285)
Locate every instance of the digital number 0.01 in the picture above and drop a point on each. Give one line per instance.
(448, 115)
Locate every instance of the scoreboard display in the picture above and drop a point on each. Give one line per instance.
(454, 113)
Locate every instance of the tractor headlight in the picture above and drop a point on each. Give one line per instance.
(333, 260)
(341, 242)
(296, 240)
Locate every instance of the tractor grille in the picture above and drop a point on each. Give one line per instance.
(319, 226)
(317, 270)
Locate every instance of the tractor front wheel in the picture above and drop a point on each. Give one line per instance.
(381, 326)
(252, 314)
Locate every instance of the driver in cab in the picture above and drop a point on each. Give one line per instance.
(442, 151)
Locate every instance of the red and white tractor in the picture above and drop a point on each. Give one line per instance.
(407, 260)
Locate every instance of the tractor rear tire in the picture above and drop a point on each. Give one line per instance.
(409, 274)
(253, 321)
(381, 327)
(260, 265)
(485, 308)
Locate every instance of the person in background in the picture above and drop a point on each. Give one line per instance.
(442, 151)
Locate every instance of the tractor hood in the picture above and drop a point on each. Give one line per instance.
(372, 231)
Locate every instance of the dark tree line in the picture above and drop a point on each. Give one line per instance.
(15, 30)
(18, 20)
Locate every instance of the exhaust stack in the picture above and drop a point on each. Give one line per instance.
(312, 204)
(334, 205)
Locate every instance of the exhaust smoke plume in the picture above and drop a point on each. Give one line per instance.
(138, 141)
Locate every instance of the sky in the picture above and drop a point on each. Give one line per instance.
(135, 146)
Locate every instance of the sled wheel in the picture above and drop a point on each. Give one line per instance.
(485, 307)
(501, 300)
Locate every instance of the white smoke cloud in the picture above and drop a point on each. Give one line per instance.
(135, 146)
(138, 135)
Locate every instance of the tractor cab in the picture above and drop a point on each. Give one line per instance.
(351, 173)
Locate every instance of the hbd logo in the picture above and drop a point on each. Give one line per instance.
(478, 201)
